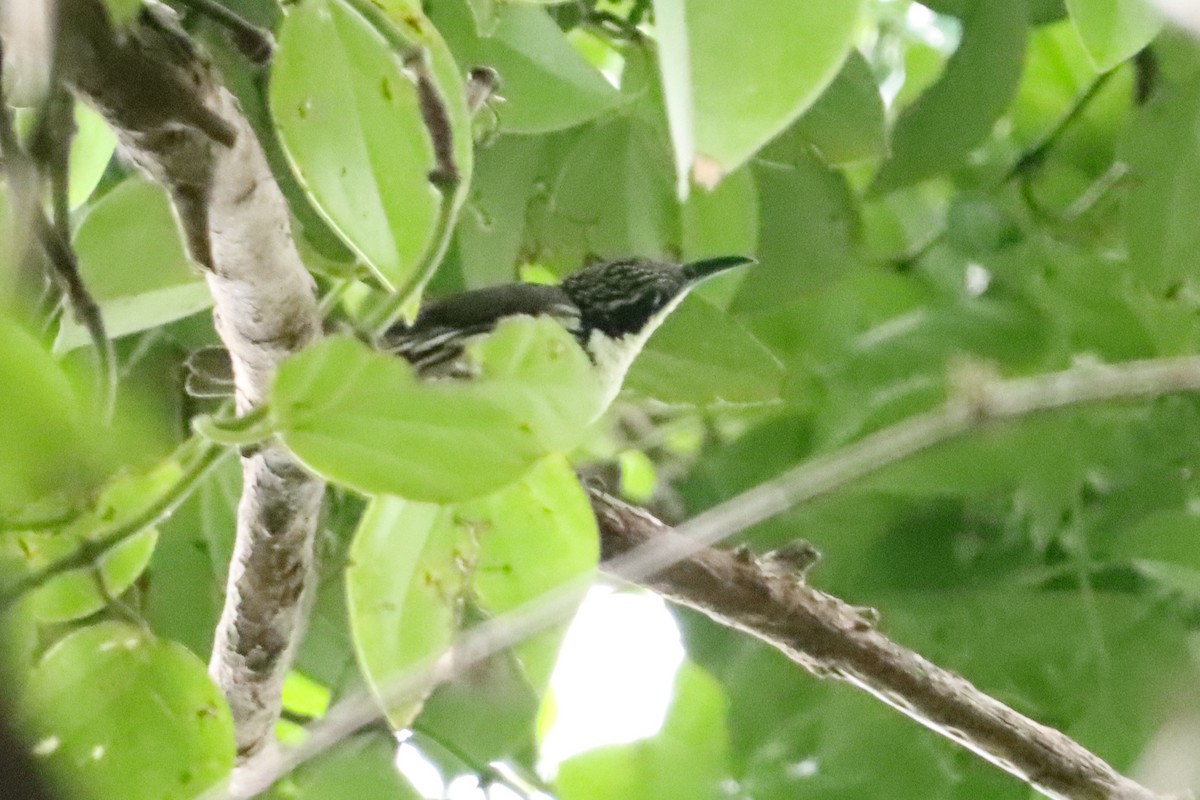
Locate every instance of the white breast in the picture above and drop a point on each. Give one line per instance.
(614, 356)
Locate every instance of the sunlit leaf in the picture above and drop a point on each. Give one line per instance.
(545, 82)
(1114, 30)
(686, 760)
(362, 418)
(352, 128)
(115, 712)
(131, 257)
(735, 75)
(91, 149)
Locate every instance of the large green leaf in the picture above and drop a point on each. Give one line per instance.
(527, 539)
(1164, 198)
(702, 356)
(403, 591)
(492, 227)
(686, 760)
(612, 196)
(545, 82)
(938, 131)
(133, 262)
(115, 712)
(807, 225)
(1114, 30)
(362, 418)
(846, 123)
(412, 565)
(352, 128)
(47, 447)
(724, 67)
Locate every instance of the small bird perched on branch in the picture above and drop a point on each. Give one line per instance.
(611, 308)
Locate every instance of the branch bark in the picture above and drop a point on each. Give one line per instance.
(767, 598)
(176, 122)
(980, 398)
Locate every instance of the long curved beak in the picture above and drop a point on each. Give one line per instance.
(697, 271)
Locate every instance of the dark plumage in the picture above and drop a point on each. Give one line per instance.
(622, 300)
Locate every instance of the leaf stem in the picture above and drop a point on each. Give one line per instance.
(201, 456)
(249, 428)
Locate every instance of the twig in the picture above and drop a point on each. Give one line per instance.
(51, 142)
(980, 400)
(198, 466)
(255, 43)
(767, 598)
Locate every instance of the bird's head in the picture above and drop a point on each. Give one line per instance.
(632, 296)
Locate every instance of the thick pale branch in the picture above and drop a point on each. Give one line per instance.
(178, 123)
(767, 598)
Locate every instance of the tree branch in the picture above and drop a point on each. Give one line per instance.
(767, 597)
(980, 399)
(177, 123)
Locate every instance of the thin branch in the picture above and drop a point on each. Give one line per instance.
(51, 143)
(197, 466)
(253, 42)
(767, 597)
(981, 399)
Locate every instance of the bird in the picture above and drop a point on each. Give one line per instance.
(610, 307)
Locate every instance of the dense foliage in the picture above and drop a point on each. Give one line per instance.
(1014, 184)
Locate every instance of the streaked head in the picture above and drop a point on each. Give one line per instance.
(632, 296)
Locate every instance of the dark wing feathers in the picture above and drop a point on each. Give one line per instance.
(435, 342)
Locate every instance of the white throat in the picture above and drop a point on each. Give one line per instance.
(614, 356)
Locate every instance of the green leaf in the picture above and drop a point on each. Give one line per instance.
(717, 223)
(1164, 197)
(938, 131)
(185, 590)
(47, 448)
(132, 260)
(492, 226)
(527, 539)
(612, 197)
(115, 712)
(545, 82)
(352, 128)
(846, 123)
(76, 594)
(410, 564)
(1114, 30)
(807, 225)
(91, 150)
(363, 768)
(362, 418)
(403, 585)
(722, 66)
(703, 357)
(686, 760)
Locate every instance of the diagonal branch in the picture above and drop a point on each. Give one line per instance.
(178, 124)
(980, 398)
(767, 598)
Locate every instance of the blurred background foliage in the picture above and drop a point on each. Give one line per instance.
(1012, 183)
